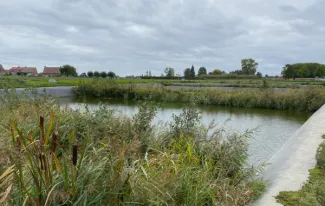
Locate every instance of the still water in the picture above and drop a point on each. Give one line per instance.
(271, 128)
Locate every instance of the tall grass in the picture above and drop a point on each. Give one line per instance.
(52, 155)
(307, 99)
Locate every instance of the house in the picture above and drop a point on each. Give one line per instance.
(16, 70)
(2, 70)
(30, 71)
(51, 71)
(26, 71)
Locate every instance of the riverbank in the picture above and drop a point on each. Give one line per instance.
(288, 169)
(35, 82)
(307, 99)
(100, 157)
(63, 91)
(313, 190)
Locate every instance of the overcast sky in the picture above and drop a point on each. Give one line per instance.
(133, 36)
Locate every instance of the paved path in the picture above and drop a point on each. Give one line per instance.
(289, 167)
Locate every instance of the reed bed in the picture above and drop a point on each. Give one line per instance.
(52, 155)
(303, 99)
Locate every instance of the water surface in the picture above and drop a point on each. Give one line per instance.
(271, 128)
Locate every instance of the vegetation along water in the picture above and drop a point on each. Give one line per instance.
(304, 99)
(52, 155)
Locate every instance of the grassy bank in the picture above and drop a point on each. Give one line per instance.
(50, 155)
(26, 82)
(312, 192)
(308, 99)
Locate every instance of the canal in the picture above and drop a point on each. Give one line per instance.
(270, 129)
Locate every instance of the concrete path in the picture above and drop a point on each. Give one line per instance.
(289, 167)
(64, 91)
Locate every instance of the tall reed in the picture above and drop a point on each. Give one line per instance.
(305, 99)
(71, 157)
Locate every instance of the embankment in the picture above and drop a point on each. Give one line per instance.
(288, 169)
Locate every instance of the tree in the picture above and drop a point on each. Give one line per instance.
(320, 71)
(96, 74)
(288, 71)
(259, 74)
(249, 66)
(238, 72)
(170, 72)
(90, 74)
(202, 71)
(111, 75)
(187, 73)
(149, 73)
(216, 72)
(103, 74)
(192, 72)
(68, 70)
(303, 70)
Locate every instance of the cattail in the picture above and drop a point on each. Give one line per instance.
(74, 154)
(42, 128)
(54, 141)
(18, 143)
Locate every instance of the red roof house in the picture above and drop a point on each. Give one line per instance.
(27, 71)
(51, 71)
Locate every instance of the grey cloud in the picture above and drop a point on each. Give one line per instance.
(133, 36)
(287, 8)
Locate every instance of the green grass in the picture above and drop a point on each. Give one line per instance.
(312, 192)
(71, 157)
(25, 82)
(308, 99)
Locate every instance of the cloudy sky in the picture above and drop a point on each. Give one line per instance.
(133, 36)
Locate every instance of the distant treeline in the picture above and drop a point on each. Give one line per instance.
(303, 70)
(202, 77)
(230, 76)
(164, 77)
